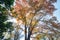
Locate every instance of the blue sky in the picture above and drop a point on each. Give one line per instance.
(57, 12)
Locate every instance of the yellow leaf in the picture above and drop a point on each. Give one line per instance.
(30, 16)
(34, 22)
(39, 36)
(35, 30)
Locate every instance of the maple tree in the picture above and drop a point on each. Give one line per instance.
(32, 14)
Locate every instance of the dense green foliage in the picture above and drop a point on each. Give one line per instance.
(7, 3)
(4, 15)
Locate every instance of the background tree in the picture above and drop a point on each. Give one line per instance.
(7, 3)
(35, 16)
(5, 26)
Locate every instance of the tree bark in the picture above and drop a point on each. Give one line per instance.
(29, 34)
(25, 33)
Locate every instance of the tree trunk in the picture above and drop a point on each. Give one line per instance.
(25, 32)
(28, 37)
(29, 34)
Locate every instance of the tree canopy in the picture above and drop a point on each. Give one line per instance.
(33, 14)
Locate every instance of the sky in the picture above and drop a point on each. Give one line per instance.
(57, 12)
